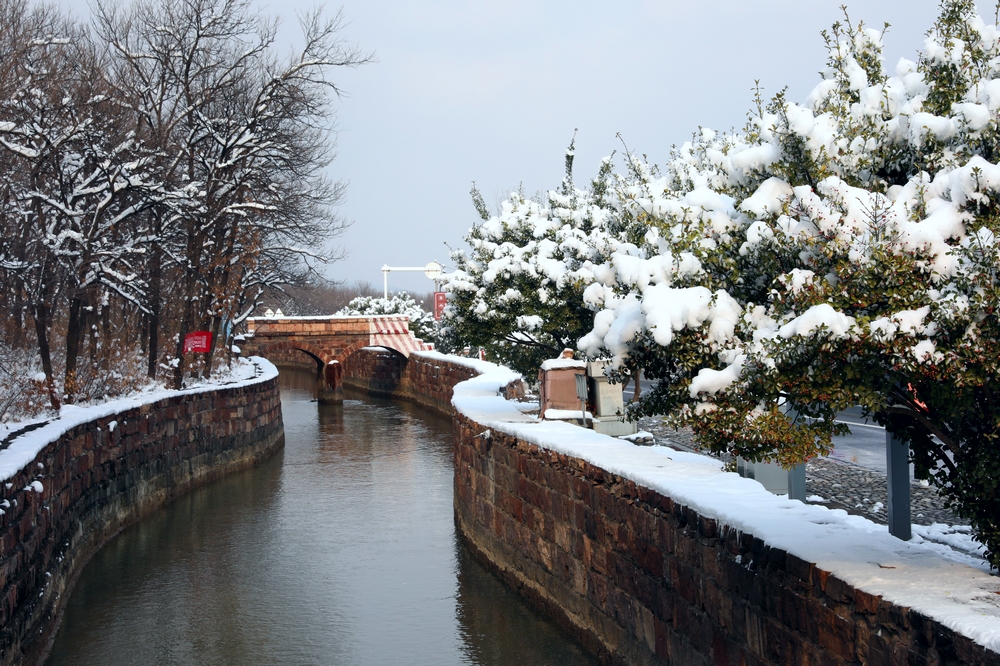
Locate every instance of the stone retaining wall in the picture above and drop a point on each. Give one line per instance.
(638, 578)
(424, 379)
(641, 579)
(105, 474)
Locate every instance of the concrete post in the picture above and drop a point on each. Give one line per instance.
(897, 463)
(797, 482)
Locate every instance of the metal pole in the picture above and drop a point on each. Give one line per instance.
(897, 462)
(581, 393)
(431, 270)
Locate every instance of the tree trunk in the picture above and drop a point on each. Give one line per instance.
(90, 330)
(215, 329)
(42, 315)
(153, 319)
(181, 332)
(185, 327)
(73, 334)
(220, 308)
(19, 312)
(106, 337)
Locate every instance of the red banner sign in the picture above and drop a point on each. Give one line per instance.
(199, 341)
(440, 300)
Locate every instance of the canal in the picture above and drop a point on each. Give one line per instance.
(339, 550)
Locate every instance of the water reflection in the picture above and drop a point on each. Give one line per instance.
(340, 550)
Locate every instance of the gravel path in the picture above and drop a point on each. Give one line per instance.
(855, 489)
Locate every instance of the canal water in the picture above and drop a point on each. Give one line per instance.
(339, 550)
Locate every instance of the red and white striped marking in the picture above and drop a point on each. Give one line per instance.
(394, 332)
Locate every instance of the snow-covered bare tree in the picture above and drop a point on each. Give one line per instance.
(244, 138)
(66, 177)
(163, 170)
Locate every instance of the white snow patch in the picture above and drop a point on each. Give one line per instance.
(23, 449)
(769, 197)
(562, 364)
(565, 414)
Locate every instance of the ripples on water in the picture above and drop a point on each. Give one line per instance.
(339, 550)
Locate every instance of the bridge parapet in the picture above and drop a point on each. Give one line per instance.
(328, 341)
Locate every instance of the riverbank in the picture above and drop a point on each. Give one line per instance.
(71, 484)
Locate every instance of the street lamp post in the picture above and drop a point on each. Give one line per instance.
(432, 271)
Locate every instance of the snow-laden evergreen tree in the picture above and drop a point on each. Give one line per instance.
(422, 323)
(518, 292)
(838, 252)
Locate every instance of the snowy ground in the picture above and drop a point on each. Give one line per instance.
(939, 573)
(21, 441)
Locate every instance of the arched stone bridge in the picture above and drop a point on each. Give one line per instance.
(328, 341)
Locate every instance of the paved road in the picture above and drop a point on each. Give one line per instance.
(865, 446)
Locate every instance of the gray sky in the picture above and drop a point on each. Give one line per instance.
(491, 91)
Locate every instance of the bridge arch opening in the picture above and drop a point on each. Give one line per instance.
(316, 359)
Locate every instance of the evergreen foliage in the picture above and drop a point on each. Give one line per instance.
(838, 252)
(422, 323)
(519, 292)
(843, 252)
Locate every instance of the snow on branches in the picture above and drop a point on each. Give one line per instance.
(837, 252)
(162, 169)
(422, 323)
(518, 292)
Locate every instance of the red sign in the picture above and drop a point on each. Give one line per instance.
(440, 300)
(199, 341)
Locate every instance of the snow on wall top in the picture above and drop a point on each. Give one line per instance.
(24, 448)
(496, 372)
(562, 363)
(956, 590)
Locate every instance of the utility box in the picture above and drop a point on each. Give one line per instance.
(775, 478)
(557, 388)
(608, 403)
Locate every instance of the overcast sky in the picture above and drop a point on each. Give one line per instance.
(490, 91)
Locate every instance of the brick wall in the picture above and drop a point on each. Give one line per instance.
(641, 579)
(96, 480)
(375, 371)
(425, 380)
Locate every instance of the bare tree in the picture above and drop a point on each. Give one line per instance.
(163, 170)
(244, 139)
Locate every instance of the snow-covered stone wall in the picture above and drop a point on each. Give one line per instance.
(654, 556)
(426, 378)
(66, 488)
